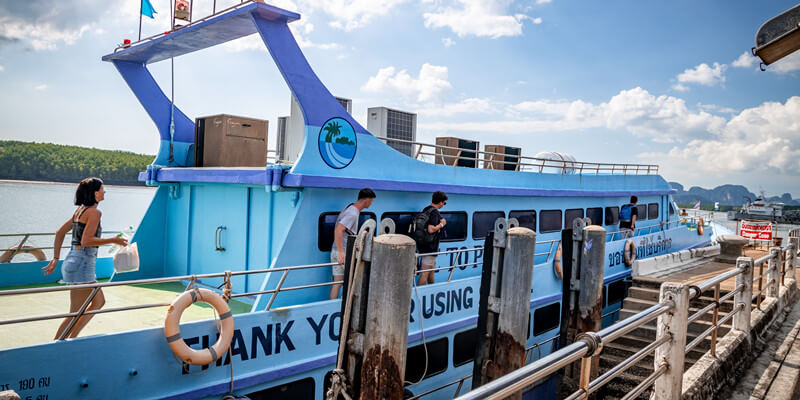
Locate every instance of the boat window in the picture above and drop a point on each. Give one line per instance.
(571, 214)
(549, 221)
(464, 344)
(402, 220)
(641, 212)
(300, 389)
(616, 292)
(652, 211)
(612, 215)
(546, 318)
(437, 360)
(671, 209)
(483, 221)
(456, 228)
(326, 224)
(527, 219)
(596, 215)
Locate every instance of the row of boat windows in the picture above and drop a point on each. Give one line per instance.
(483, 221)
(464, 344)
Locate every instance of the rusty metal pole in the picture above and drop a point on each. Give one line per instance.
(388, 308)
(590, 296)
(504, 312)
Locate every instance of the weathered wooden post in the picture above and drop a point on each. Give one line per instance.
(774, 273)
(744, 299)
(388, 308)
(673, 323)
(504, 309)
(590, 295)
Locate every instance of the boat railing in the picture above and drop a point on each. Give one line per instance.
(669, 364)
(24, 244)
(645, 230)
(193, 279)
(449, 155)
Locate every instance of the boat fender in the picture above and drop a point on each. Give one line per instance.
(557, 263)
(10, 253)
(172, 329)
(629, 252)
(701, 229)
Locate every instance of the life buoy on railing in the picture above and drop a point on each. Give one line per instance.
(12, 252)
(557, 263)
(172, 329)
(629, 252)
(700, 226)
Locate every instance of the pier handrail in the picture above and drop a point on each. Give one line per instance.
(780, 260)
(488, 160)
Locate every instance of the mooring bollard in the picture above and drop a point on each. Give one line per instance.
(505, 303)
(388, 308)
(774, 274)
(741, 321)
(672, 323)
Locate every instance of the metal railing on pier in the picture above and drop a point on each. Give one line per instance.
(491, 160)
(675, 301)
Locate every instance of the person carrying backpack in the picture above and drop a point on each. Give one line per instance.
(426, 227)
(628, 214)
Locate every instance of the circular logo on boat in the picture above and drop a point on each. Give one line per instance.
(337, 142)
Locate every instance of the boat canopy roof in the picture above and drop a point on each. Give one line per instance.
(208, 32)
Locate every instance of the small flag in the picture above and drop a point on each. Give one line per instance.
(696, 206)
(147, 9)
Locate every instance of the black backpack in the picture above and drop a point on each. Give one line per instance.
(419, 228)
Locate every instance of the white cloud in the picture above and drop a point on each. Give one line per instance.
(788, 64)
(543, 1)
(471, 105)
(447, 42)
(745, 60)
(486, 18)
(45, 24)
(40, 87)
(353, 14)
(2, 68)
(660, 118)
(537, 20)
(758, 139)
(716, 108)
(702, 74)
(431, 82)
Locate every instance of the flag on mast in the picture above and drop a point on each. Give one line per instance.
(147, 9)
(696, 206)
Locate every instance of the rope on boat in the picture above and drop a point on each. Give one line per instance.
(339, 385)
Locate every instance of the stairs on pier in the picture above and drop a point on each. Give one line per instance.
(643, 294)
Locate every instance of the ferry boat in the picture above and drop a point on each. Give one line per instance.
(760, 209)
(271, 227)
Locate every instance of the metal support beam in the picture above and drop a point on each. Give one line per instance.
(673, 323)
(388, 308)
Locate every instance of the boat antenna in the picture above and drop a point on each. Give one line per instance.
(172, 91)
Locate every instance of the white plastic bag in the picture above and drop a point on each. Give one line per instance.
(127, 259)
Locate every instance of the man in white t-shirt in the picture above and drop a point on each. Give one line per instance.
(346, 223)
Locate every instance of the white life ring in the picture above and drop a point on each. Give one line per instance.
(34, 251)
(629, 252)
(172, 329)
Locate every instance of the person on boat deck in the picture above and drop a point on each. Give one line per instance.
(78, 267)
(435, 225)
(346, 222)
(627, 217)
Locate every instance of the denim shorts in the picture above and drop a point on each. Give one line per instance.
(78, 267)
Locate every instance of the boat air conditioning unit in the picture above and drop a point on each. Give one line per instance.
(555, 163)
(493, 157)
(457, 152)
(230, 141)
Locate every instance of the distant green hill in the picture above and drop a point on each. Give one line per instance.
(54, 162)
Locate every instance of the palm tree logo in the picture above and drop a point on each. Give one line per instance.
(334, 129)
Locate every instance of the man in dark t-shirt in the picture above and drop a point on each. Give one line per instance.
(435, 225)
(628, 214)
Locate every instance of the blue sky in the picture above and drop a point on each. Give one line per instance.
(670, 83)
